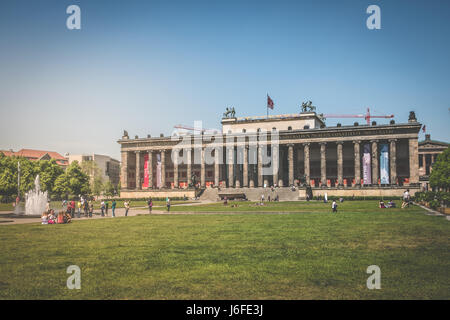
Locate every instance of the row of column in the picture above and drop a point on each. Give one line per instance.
(413, 158)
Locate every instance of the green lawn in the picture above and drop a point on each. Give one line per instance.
(317, 255)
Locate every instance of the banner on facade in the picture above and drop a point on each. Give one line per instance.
(384, 164)
(367, 174)
(146, 171)
(158, 170)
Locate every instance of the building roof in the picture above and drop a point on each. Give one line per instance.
(432, 142)
(37, 155)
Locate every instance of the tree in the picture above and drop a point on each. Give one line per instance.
(97, 186)
(73, 182)
(109, 189)
(440, 175)
(9, 174)
(49, 171)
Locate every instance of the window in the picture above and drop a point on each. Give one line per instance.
(289, 128)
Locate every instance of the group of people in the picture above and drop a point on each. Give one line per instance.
(49, 217)
(390, 204)
(104, 207)
(72, 207)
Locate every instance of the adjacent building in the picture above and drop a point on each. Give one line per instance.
(109, 168)
(428, 152)
(35, 155)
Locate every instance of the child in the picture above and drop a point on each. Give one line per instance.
(44, 218)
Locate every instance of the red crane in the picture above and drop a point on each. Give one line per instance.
(367, 116)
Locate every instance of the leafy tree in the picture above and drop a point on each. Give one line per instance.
(49, 171)
(97, 186)
(77, 179)
(109, 189)
(73, 182)
(9, 174)
(440, 175)
(61, 188)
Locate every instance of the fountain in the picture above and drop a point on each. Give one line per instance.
(35, 200)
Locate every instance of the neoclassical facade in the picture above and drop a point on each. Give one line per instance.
(282, 151)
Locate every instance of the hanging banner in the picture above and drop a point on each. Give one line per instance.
(384, 164)
(146, 171)
(158, 170)
(367, 175)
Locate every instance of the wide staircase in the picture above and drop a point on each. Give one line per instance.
(252, 194)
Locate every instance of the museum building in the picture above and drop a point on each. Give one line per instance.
(347, 160)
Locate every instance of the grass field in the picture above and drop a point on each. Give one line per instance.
(311, 255)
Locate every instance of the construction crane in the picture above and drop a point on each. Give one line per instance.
(366, 116)
(181, 126)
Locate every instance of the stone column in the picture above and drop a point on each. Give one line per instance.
(188, 165)
(216, 167)
(138, 170)
(163, 168)
(306, 162)
(175, 167)
(230, 166)
(260, 171)
(413, 161)
(393, 161)
(374, 162)
(424, 161)
(150, 169)
(323, 163)
(202, 167)
(275, 163)
(124, 170)
(340, 163)
(356, 147)
(245, 167)
(291, 164)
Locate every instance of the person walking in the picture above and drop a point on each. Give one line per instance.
(126, 205)
(168, 204)
(79, 209)
(150, 205)
(102, 207)
(113, 208)
(106, 207)
(334, 206)
(86, 208)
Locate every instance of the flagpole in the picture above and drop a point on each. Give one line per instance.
(267, 107)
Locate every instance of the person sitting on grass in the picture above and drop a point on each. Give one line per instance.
(61, 217)
(391, 204)
(51, 217)
(381, 204)
(44, 218)
(67, 218)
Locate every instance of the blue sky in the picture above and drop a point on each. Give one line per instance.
(145, 66)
